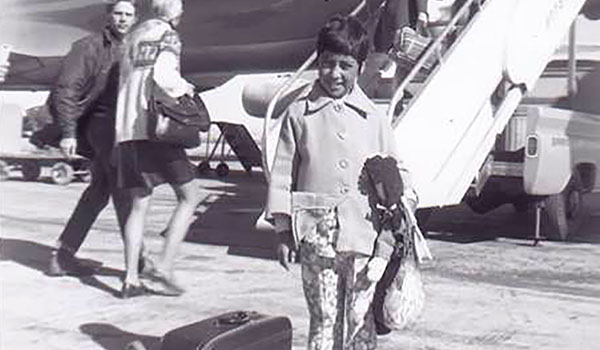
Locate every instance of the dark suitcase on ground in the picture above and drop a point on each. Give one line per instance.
(239, 330)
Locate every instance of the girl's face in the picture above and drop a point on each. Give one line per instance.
(337, 73)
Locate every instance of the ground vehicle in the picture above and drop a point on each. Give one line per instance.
(546, 156)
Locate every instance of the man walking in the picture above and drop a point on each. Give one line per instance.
(83, 102)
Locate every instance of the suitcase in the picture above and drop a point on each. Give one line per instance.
(238, 330)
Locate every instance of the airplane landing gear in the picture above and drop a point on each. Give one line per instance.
(222, 170)
(203, 167)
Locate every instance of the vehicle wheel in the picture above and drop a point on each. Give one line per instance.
(4, 171)
(61, 173)
(31, 170)
(564, 211)
(222, 170)
(203, 167)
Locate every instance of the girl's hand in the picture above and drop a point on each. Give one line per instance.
(286, 250)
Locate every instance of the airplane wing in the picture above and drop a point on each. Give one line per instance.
(31, 72)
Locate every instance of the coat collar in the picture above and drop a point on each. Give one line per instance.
(110, 38)
(317, 99)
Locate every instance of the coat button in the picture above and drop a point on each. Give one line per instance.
(341, 135)
(344, 189)
(338, 107)
(343, 163)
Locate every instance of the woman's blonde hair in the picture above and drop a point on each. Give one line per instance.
(167, 9)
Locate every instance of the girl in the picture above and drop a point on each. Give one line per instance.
(326, 136)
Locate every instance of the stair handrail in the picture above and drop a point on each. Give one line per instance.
(271, 107)
(431, 50)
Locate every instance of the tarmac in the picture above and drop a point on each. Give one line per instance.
(487, 288)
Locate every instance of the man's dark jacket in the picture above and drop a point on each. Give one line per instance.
(83, 77)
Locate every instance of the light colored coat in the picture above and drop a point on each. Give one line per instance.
(323, 145)
(150, 65)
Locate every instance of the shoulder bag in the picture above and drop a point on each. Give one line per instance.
(178, 123)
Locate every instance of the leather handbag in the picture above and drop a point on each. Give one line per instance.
(178, 123)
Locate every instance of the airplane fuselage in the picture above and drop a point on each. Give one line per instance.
(220, 38)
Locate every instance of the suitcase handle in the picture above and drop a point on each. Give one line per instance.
(237, 318)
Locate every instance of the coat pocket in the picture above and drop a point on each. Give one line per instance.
(315, 221)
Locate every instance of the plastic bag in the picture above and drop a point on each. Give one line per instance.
(405, 298)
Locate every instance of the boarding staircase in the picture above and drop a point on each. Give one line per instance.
(450, 124)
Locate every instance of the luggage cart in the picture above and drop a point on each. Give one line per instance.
(241, 144)
(30, 162)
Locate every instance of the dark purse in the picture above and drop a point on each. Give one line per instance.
(178, 123)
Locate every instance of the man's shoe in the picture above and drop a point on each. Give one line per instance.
(62, 264)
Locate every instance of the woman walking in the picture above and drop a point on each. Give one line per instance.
(151, 68)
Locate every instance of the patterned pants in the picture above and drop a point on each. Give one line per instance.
(329, 286)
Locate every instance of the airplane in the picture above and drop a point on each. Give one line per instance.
(220, 38)
(226, 43)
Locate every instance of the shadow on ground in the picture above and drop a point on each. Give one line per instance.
(36, 256)
(113, 338)
(229, 217)
(459, 224)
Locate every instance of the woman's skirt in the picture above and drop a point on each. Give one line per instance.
(144, 164)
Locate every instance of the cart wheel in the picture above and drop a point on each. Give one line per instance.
(61, 173)
(203, 167)
(3, 171)
(31, 170)
(86, 176)
(222, 170)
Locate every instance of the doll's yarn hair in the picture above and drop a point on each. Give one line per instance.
(344, 35)
(384, 170)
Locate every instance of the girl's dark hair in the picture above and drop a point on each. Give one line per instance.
(344, 35)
